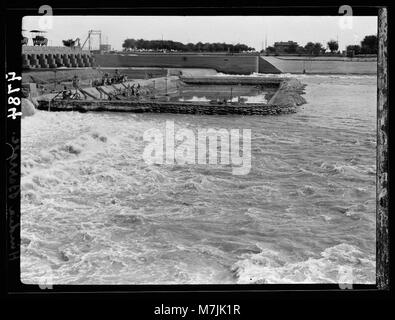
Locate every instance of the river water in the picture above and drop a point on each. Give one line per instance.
(94, 212)
(237, 93)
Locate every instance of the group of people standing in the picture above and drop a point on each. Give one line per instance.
(133, 90)
(117, 78)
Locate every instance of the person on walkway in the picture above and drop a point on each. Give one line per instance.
(116, 76)
(76, 81)
(66, 93)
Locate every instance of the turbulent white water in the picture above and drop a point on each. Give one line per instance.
(93, 212)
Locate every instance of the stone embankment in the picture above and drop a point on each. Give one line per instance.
(289, 94)
(167, 107)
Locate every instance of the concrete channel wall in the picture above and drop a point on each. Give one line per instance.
(232, 80)
(265, 66)
(323, 65)
(45, 57)
(236, 64)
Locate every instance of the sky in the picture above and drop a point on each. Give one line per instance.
(249, 30)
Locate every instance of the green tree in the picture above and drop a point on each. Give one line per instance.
(270, 50)
(300, 50)
(178, 46)
(129, 43)
(309, 48)
(369, 45)
(292, 48)
(199, 46)
(353, 50)
(333, 46)
(318, 49)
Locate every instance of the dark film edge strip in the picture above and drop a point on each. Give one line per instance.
(382, 222)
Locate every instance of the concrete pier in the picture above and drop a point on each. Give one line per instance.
(286, 100)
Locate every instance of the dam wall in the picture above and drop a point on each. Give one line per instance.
(265, 66)
(323, 65)
(231, 64)
(43, 57)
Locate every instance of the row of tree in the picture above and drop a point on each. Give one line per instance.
(310, 48)
(158, 45)
(368, 46)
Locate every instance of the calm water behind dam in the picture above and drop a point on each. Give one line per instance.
(205, 93)
(93, 212)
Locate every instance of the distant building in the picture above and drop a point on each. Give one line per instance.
(105, 47)
(285, 47)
